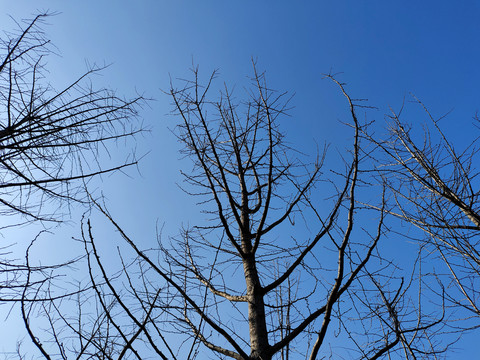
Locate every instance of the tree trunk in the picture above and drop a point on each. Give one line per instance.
(256, 312)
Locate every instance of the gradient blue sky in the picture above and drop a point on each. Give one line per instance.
(385, 49)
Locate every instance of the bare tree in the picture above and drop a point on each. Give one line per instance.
(435, 187)
(50, 140)
(274, 272)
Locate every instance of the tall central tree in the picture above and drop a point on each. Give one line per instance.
(274, 272)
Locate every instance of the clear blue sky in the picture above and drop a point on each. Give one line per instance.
(385, 49)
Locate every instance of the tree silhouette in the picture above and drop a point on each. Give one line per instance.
(274, 271)
(51, 141)
(434, 183)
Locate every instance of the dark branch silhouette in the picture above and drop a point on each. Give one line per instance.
(52, 141)
(252, 282)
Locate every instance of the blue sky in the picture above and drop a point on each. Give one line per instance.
(384, 50)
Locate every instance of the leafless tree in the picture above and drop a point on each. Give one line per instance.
(274, 272)
(51, 140)
(435, 187)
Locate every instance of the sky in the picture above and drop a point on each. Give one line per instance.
(382, 50)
